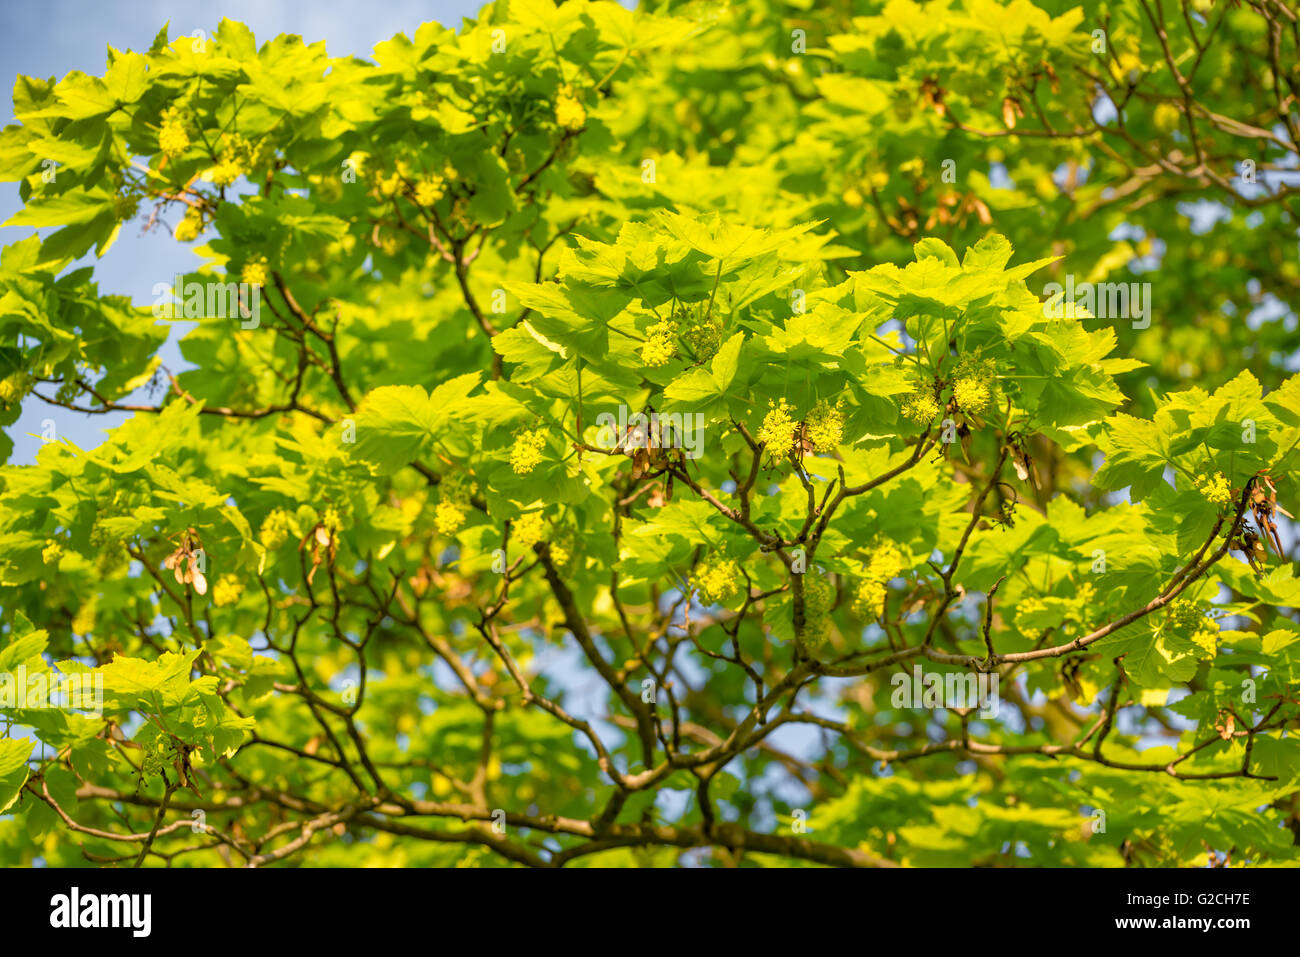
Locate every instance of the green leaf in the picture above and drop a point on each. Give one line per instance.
(13, 770)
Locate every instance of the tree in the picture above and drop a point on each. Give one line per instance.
(886, 406)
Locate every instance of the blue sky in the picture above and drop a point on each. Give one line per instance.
(51, 39)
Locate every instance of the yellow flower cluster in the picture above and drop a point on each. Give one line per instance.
(527, 451)
(1189, 617)
(188, 229)
(448, 517)
(226, 591)
(778, 428)
(172, 138)
(561, 548)
(227, 170)
(1183, 613)
(528, 529)
(921, 407)
(1216, 489)
(155, 757)
(869, 599)
(454, 494)
(717, 579)
(52, 552)
(255, 271)
(825, 425)
(332, 521)
(1029, 606)
(1084, 607)
(430, 189)
(971, 395)
(660, 344)
(235, 159)
(973, 384)
(232, 162)
(569, 113)
(277, 528)
(885, 563)
(702, 333)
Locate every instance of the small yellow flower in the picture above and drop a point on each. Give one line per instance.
(660, 345)
(227, 170)
(52, 553)
(921, 407)
(172, 138)
(561, 548)
(449, 517)
(825, 425)
(869, 600)
(527, 451)
(528, 529)
(1084, 602)
(703, 333)
(277, 528)
(430, 189)
(457, 487)
(778, 428)
(886, 562)
(1216, 490)
(717, 579)
(188, 228)
(569, 113)
(1189, 618)
(1206, 637)
(455, 491)
(971, 395)
(255, 272)
(1029, 606)
(332, 521)
(227, 591)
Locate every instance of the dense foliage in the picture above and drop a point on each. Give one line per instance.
(403, 571)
